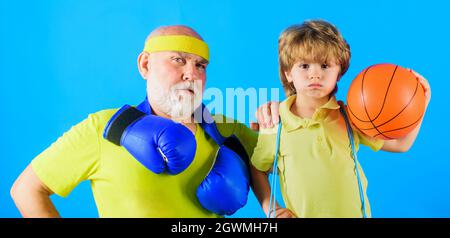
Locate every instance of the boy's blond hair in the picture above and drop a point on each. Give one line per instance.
(314, 41)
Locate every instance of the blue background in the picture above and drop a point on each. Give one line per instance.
(61, 60)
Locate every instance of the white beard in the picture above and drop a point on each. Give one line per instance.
(177, 102)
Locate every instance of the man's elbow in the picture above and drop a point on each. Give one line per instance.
(18, 190)
(13, 192)
(27, 185)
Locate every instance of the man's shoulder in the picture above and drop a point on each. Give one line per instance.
(227, 126)
(220, 118)
(99, 119)
(105, 114)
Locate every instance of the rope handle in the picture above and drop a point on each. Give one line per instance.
(273, 184)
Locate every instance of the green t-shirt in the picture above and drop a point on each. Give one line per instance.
(122, 187)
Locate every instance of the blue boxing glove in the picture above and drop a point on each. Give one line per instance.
(160, 144)
(225, 188)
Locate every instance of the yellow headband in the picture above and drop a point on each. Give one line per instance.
(181, 43)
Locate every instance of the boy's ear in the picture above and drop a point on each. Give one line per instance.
(143, 65)
(288, 76)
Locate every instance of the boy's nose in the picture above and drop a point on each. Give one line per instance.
(314, 76)
(315, 73)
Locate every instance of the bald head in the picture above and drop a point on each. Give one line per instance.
(174, 30)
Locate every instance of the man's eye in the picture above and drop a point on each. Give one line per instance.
(201, 66)
(178, 59)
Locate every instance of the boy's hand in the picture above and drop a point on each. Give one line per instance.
(404, 144)
(425, 85)
(284, 213)
(268, 115)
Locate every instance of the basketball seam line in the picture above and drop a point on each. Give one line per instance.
(364, 103)
(387, 91)
(349, 107)
(402, 127)
(410, 100)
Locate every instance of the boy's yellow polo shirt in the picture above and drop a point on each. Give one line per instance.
(317, 175)
(122, 187)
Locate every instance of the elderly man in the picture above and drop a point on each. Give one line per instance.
(113, 148)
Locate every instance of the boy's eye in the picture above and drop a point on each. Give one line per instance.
(304, 66)
(324, 66)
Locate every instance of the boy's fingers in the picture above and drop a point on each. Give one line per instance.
(261, 112)
(425, 84)
(422, 79)
(274, 108)
(258, 116)
(266, 116)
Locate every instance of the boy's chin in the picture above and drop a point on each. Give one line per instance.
(317, 94)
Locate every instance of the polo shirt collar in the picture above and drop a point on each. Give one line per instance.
(292, 122)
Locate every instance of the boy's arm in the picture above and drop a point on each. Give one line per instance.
(261, 188)
(402, 144)
(32, 197)
(405, 143)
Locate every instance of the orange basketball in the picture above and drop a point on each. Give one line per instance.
(385, 101)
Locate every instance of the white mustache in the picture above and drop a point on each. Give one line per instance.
(188, 85)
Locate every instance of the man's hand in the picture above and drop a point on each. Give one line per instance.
(268, 115)
(32, 197)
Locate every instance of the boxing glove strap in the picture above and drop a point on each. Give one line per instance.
(117, 126)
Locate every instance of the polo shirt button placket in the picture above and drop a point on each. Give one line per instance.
(319, 139)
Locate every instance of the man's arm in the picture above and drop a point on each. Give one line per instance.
(32, 197)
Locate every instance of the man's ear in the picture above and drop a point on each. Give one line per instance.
(142, 61)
